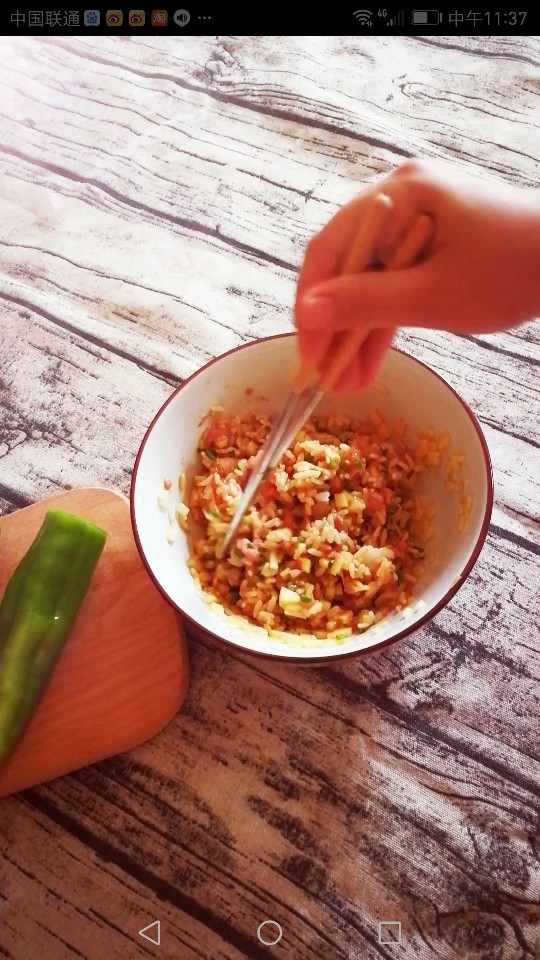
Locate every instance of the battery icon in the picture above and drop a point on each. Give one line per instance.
(425, 17)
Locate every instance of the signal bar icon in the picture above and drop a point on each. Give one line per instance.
(397, 21)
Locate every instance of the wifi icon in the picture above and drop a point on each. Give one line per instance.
(363, 17)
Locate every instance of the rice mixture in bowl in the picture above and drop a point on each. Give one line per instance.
(337, 534)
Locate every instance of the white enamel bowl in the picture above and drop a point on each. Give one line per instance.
(404, 389)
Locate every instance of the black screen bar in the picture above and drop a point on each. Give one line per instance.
(269, 20)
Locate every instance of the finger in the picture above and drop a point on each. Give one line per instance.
(356, 258)
(411, 190)
(370, 300)
(350, 379)
(372, 355)
(326, 251)
(313, 347)
(365, 366)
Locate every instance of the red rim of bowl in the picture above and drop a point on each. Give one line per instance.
(333, 657)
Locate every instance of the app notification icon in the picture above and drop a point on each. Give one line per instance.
(114, 18)
(159, 18)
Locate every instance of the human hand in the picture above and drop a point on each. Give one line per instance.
(479, 273)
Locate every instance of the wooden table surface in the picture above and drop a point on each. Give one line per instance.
(156, 200)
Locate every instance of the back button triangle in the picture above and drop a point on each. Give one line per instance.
(156, 927)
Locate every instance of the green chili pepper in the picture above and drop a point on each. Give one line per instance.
(37, 612)
(210, 454)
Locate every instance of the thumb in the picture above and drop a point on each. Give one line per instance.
(369, 300)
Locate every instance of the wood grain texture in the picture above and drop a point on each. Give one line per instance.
(156, 200)
(125, 645)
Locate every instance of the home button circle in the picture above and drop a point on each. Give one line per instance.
(269, 933)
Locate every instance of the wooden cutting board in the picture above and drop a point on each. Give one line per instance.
(124, 671)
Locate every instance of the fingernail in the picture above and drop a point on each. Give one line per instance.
(318, 313)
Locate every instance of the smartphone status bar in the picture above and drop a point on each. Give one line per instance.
(208, 20)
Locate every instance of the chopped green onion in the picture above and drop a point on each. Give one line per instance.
(301, 539)
(305, 598)
(210, 454)
(392, 508)
(215, 513)
(359, 464)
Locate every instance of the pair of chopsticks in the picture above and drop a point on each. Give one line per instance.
(306, 394)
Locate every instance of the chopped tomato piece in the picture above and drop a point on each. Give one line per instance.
(220, 429)
(267, 492)
(320, 510)
(335, 484)
(225, 465)
(373, 501)
(400, 546)
(288, 519)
